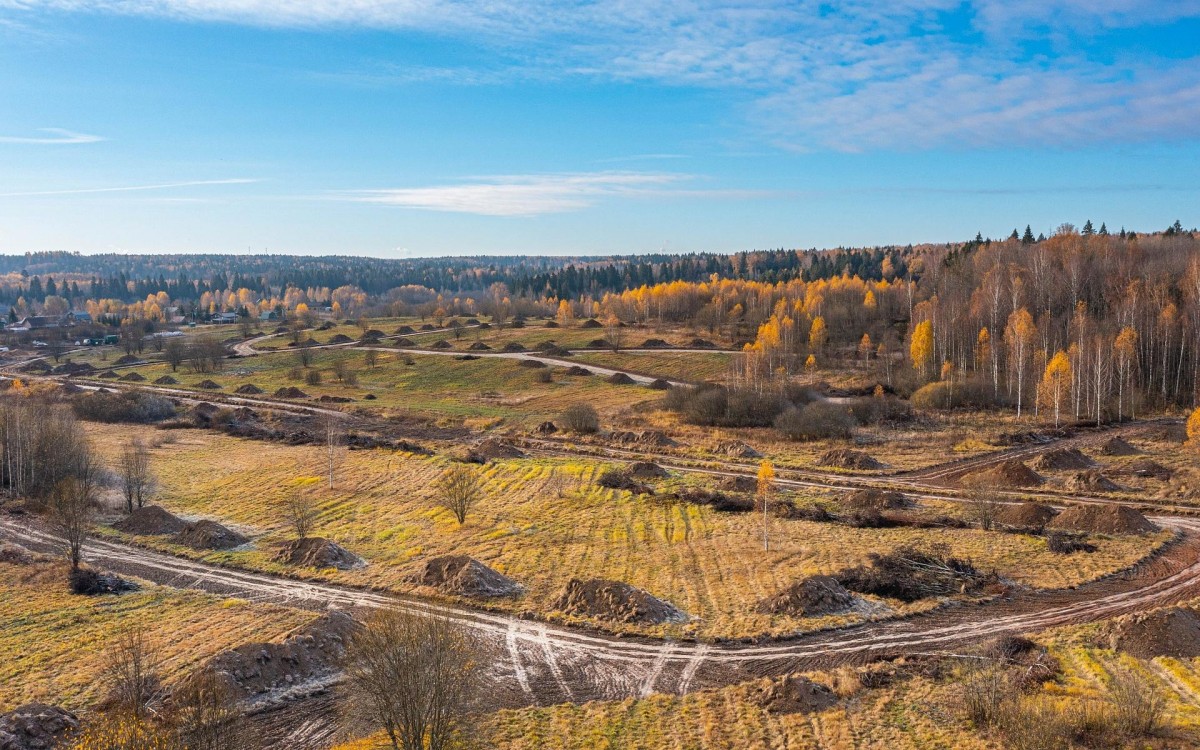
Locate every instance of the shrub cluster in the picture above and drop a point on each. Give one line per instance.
(138, 408)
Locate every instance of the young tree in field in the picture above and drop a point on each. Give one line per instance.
(72, 505)
(764, 491)
(1125, 354)
(1019, 336)
(371, 358)
(614, 334)
(300, 512)
(1055, 388)
(133, 471)
(818, 335)
(565, 315)
(414, 675)
(458, 490)
(920, 349)
(174, 353)
(1193, 429)
(133, 672)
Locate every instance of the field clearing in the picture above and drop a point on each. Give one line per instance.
(709, 564)
(53, 642)
(686, 366)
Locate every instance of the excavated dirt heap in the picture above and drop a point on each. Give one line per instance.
(546, 428)
(810, 597)
(1011, 473)
(126, 359)
(465, 576)
(1145, 468)
(133, 377)
(876, 499)
(1174, 631)
(736, 449)
(1091, 481)
(1116, 446)
(36, 726)
(793, 694)
(150, 521)
(653, 438)
(615, 600)
(206, 534)
(340, 338)
(740, 484)
(1063, 458)
(12, 554)
(492, 449)
(1103, 519)
(310, 656)
(290, 391)
(647, 470)
(1027, 515)
(844, 458)
(317, 552)
(660, 385)
(166, 380)
(249, 388)
(208, 385)
(620, 378)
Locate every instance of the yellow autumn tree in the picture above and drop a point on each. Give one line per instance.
(1055, 388)
(920, 349)
(766, 485)
(565, 313)
(1125, 353)
(818, 335)
(1193, 429)
(1019, 337)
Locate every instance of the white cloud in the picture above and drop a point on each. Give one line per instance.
(523, 195)
(53, 137)
(130, 188)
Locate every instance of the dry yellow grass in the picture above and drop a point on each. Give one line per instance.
(53, 642)
(709, 564)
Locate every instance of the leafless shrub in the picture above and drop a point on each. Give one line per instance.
(134, 474)
(581, 418)
(300, 513)
(458, 490)
(133, 673)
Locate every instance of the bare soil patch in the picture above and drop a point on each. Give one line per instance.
(1174, 632)
(151, 520)
(461, 575)
(1028, 515)
(810, 597)
(1091, 481)
(845, 458)
(1103, 519)
(647, 470)
(317, 552)
(1008, 474)
(648, 438)
(1062, 458)
(209, 535)
(36, 726)
(1147, 469)
(793, 694)
(1118, 446)
(616, 600)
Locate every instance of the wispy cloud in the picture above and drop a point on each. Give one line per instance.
(53, 137)
(527, 195)
(130, 188)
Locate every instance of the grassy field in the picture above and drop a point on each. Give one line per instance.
(685, 366)
(53, 642)
(709, 564)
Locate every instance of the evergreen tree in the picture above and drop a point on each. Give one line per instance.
(1027, 238)
(1015, 235)
(1103, 229)
(1088, 230)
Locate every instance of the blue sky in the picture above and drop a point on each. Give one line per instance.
(431, 127)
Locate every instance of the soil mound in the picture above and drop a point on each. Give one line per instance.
(316, 552)
(340, 338)
(736, 449)
(591, 323)
(740, 484)
(701, 344)
(405, 331)
(1063, 458)
(290, 391)
(1118, 447)
(1091, 481)
(875, 499)
(647, 470)
(208, 385)
(12, 554)
(513, 346)
(1033, 516)
(652, 438)
(440, 344)
(249, 388)
(166, 380)
(615, 600)
(655, 344)
(108, 375)
(1174, 631)
(133, 377)
(1147, 469)
(310, 658)
(36, 726)
(620, 378)
(204, 535)
(793, 694)
(810, 597)
(127, 359)
(718, 501)
(479, 346)
(1103, 519)
(660, 385)
(844, 458)
(550, 324)
(492, 449)
(404, 341)
(150, 521)
(428, 327)
(465, 576)
(577, 370)
(532, 363)
(1011, 473)
(327, 399)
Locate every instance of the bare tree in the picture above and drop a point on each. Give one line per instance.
(305, 356)
(458, 490)
(134, 472)
(205, 715)
(174, 353)
(371, 358)
(614, 332)
(133, 673)
(984, 505)
(72, 505)
(414, 675)
(300, 512)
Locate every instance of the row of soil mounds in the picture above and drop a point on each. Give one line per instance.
(287, 429)
(153, 520)
(1091, 519)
